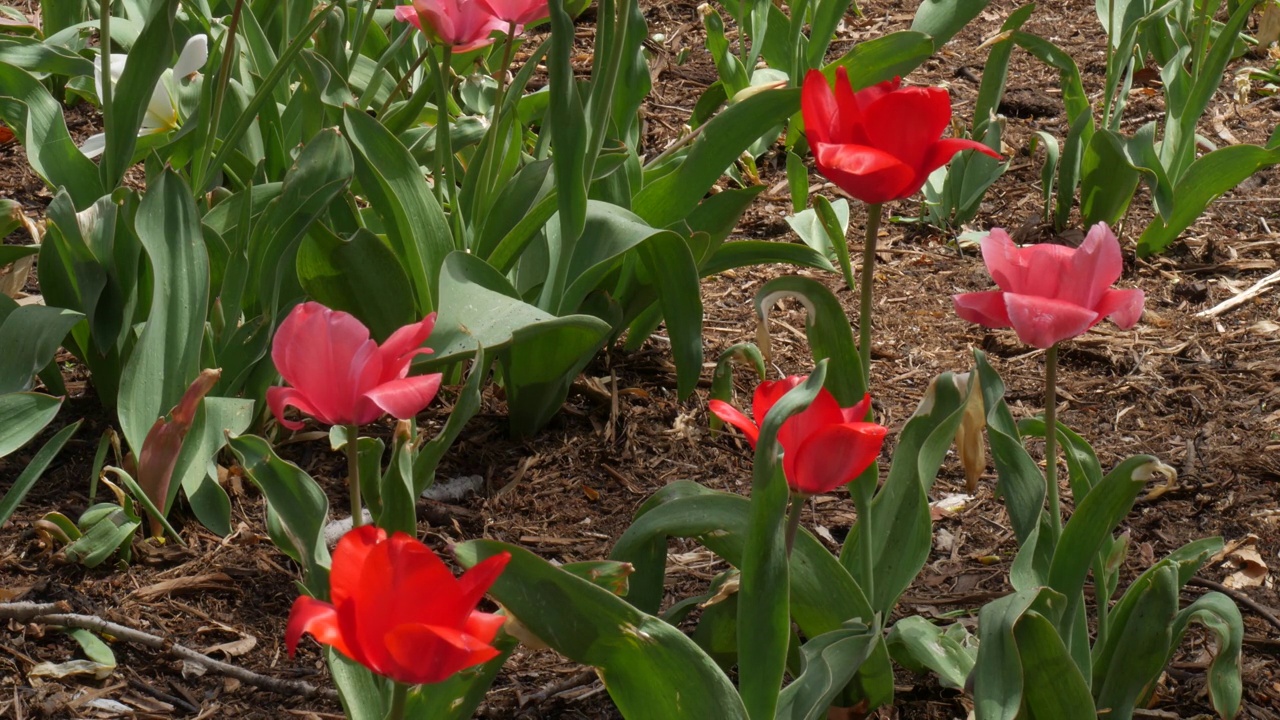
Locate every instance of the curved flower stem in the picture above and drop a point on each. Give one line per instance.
(399, 694)
(793, 519)
(864, 304)
(862, 489)
(353, 474)
(1051, 435)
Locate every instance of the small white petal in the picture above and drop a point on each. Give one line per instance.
(194, 55)
(94, 145)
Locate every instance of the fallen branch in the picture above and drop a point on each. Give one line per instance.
(1263, 611)
(1254, 291)
(55, 614)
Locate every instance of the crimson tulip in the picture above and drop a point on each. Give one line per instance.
(398, 610)
(880, 143)
(341, 376)
(463, 25)
(519, 12)
(824, 446)
(1049, 293)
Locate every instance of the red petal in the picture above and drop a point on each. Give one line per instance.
(848, 127)
(860, 412)
(907, 123)
(1043, 322)
(769, 392)
(870, 175)
(823, 412)
(405, 398)
(941, 152)
(320, 620)
(424, 654)
(734, 417)
(984, 308)
(484, 626)
(475, 582)
(1124, 307)
(818, 106)
(349, 559)
(867, 96)
(833, 456)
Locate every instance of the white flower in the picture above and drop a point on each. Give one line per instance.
(162, 110)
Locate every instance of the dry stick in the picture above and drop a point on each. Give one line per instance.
(54, 614)
(1263, 611)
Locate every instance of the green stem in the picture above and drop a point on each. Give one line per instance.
(444, 149)
(493, 140)
(219, 94)
(862, 491)
(366, 97)
(793, 519)
(362, 29)
(404, 80)
(105, 90)
(353, 474)
(399, 696)
(864, 304)
(1051, 435)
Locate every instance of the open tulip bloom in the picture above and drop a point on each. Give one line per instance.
(396, 609)
(462, 25)
(162, 111)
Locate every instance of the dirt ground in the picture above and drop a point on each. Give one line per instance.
(1198, 392)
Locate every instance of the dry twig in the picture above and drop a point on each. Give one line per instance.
(55, 614)
(1263, 611)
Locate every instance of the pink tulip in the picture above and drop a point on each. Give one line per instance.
(1050, 293)
(520, 12)
(463, 24)
(340, 376)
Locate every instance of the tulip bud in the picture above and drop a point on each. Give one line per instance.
(973, 454)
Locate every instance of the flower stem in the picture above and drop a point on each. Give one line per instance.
(399, 696)
(793, 519)
(1051, 435)
(862, 495)
(444, 149)
(104, 76)
(404, 80)
(864, 304)
(362, 29)
(353, 474)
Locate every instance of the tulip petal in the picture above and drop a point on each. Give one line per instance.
(404, 345)
(1124, 307)
(94, 145)
(281, 398)
(734, 417)
(823, 412)
(1095, 265)
(1043, 322)
(984, 308)
(941, 152)
(833, 456)
(405, 398)
(407, 13)
(868, 174)
(1000, 255)
(475, 582)
(867, 96)
(320, 620)
(325, 354)
(907, 124)
(193, 56)
(771, 391)
(859, 412)
(427, 654)
(349, 559)
(818, 107)
(484, 626)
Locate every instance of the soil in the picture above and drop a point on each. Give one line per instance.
(1198, 392)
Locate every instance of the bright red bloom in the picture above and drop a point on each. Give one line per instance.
(881, 143)
(824, 446)
(464, 24)
(340, 376)
(399, 611)
(1050, 293)
(520, 12)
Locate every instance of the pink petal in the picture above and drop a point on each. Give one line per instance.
(1000, 255)
(734, 417)
(406, 13)
(984, 308)
(866, 173)
(1043, 322)
(406, 397)
(404, 345)
(832, 457)
(1095, 265)
(280, 398)
(1124, 307)
(324, 354)
(521, 12)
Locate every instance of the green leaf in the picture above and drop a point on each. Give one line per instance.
(464, 408)
(567, 119)
(103, 538)
(31, 473)
(827, 328)
(651, 669)
(1218, 614)
(22, 416)
(942, 19)
(1019, 478)
(919, 645)
(828, 661)
(458, 697)
(741, 253)
(216, 418)
(30, 335)
(360, 275)
(149, 57)
(1107, 180)
(398, 193)
(93, 646)
(999, 689)
(885, 57)
(167, 356)
(299, 504)
(359, 690)
(1053, 686)
(1143, 643)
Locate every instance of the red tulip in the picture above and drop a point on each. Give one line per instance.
(520, 12)
(824, 446)
(881, 143)
(464, 24)
(399, 611)
(340, 376)
(1050, 293)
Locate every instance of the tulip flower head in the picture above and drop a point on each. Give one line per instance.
(520, 12)
(824, 446)
(398, 610)
(340, 376)
(1050, 293)
(462, 24)
(881, 143)
(162, 111)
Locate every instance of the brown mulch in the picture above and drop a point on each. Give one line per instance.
(1199, 393)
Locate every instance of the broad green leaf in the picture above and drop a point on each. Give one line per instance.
(360, 691)
(920, 646)
(999, 689)
(567, 126)
(885, 57)
(651, 669)
(36, 118)
(1018, 476)
(167, 356)
(674, 275)
(828, 662)
(35, 468)
(149, 57)
(1143, 646)
(1053, 687)
(1107, 180)
(103, 538)
(813, 232)
(42, 58)
(30, 335)
(942, 19)
(193, 473)
(828, 330)
(1219, 615)
(299, 504)
(22, 416)
(741, 253)
(464, 408)
(359, 275)
(415, 224)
